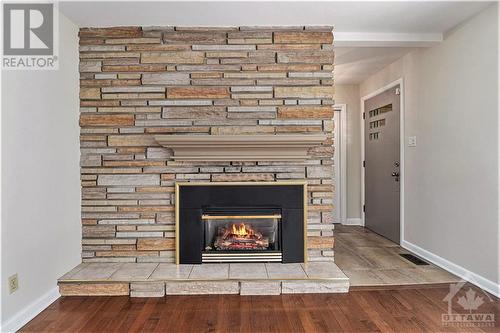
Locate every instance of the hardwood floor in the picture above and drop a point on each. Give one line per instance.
(369, 259)
(396, 310)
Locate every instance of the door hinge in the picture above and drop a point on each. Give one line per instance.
(364, 208)
(364, 164)
(398, 91)
(363, 115)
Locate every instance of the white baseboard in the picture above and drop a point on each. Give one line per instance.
(476, 279)
(31, 311)
(353, 221)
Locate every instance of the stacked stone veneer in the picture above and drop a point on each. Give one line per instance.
(137, 82)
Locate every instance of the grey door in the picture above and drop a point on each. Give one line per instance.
(382, 161)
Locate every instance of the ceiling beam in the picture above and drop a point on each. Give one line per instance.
(383, 39)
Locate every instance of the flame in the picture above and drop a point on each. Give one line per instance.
(242, 230)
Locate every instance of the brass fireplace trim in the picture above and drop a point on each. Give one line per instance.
(179, 184)
(241, 217)
(239, 254)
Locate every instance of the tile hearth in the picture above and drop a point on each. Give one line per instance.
(157, 280)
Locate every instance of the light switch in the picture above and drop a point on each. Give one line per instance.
(412, 141)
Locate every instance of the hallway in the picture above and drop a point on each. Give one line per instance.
(372, 260)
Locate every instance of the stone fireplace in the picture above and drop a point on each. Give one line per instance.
(206, 162)
(238, 222)
(143, 86)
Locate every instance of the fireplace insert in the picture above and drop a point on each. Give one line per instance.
(241, 234)
(240, 222)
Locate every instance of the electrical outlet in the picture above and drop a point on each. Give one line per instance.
(13, 283)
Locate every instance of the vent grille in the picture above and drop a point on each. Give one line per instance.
(414, 259)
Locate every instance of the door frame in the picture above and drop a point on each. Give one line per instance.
(401, 151)
(340, 161)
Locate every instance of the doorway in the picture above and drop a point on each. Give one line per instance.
(382, 163)
(340, 162)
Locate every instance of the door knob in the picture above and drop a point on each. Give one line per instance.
(395, 174)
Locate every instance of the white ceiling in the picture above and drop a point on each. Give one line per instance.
(368, 35)
(347, 16)
(355, 64)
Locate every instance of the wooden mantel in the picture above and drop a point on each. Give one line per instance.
(285, 147)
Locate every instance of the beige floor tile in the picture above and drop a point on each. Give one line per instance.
(72, 272)
(369, 259)
(381, 258)
(359, 240)
(435, 274)
(396, 250)
(133, 272)
(97, 271)
(247, 271)
(363, 278)
(399, 276)
(209, 271)
(171, 272)
(318, 270)
(349, 259)
(285, 271)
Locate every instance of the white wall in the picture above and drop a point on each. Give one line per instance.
(451, 105)
(41, 232)
(349, 95)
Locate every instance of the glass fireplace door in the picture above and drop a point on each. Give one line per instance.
(242, 236)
